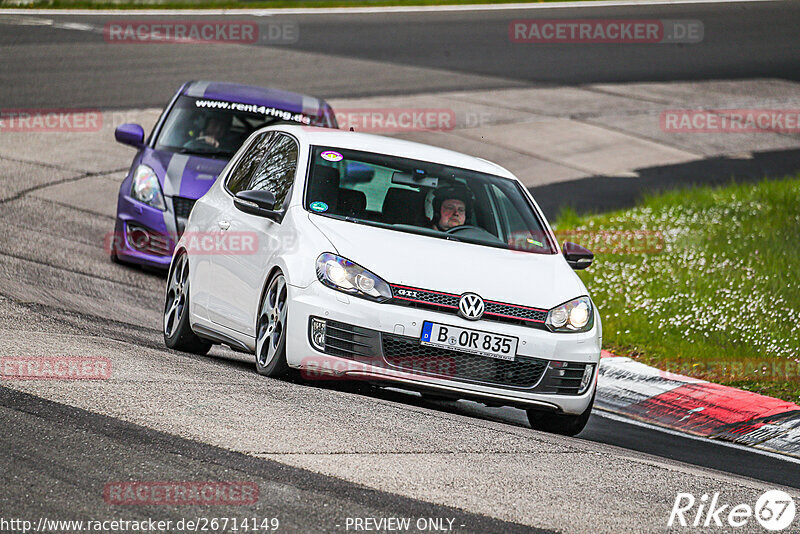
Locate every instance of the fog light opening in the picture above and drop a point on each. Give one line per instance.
(318, 328)
(138, 238)
(586, 379)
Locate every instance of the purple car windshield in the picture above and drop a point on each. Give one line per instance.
(218, 127)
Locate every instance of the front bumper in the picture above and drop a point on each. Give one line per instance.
(387, 349)
(145, 235)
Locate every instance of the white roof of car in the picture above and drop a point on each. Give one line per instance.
(391, 146)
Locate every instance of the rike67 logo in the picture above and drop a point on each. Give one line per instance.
(774, 510)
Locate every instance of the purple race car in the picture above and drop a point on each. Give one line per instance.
(195, 136)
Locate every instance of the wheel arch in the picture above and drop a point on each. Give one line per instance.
(277, 268)
(178, 251)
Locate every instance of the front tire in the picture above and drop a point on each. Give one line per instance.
(178, 334)
(565, 425)
(271, 329)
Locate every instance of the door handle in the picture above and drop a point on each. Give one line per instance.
(224, 225)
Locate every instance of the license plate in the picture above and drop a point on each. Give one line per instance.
(470, 341)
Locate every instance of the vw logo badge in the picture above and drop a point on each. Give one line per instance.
(470, 306)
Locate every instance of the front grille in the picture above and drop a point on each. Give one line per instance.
(448, 303)
(182, 206)
(562, 378)
(510, 311)
(423, 296)
(408, 354)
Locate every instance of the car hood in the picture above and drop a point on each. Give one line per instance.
(184, 175)
(537, 280)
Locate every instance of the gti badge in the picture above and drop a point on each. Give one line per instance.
(470, 306)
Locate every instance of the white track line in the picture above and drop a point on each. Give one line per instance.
(382, 9)
(619, 418)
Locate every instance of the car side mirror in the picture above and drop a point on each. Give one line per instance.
(260, 203)
(130, 134)
(577, 256)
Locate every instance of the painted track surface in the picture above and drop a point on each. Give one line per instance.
(365, 55)
(62, 297)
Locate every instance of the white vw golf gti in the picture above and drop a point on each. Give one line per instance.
(372, 258)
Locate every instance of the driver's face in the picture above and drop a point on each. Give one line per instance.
(215, 129)
(453, 213)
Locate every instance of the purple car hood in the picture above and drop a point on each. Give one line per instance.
(183, 175)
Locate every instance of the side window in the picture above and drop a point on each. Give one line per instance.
(276, 171)
(521, 234)
(516, 225)
(240, 177)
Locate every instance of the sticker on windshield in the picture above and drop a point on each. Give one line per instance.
(319, 206)
(330, 155)
(253, 108)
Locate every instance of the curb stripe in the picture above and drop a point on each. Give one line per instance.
(697, 407)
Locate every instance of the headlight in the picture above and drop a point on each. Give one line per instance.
(145, 188)
(573, 316)
(344, 275)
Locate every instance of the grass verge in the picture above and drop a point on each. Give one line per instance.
(704, 282)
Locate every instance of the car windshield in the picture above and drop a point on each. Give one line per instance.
(218, 128)
(424, 198)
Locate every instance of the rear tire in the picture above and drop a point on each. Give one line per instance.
(271, 329)
(178, 334)
(563, 424)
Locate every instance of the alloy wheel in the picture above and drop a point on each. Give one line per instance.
(272, 321)
(176, 296)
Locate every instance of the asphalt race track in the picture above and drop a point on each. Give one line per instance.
(320, 453)
(341, 55)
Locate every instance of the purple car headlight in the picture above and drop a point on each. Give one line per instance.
(145, 188)
(344, 275)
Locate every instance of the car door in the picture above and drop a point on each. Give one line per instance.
(207, 214)
(239, 273)
(218, 221)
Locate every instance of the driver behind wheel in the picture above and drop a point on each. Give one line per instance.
(451, 204)
(213, 132)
